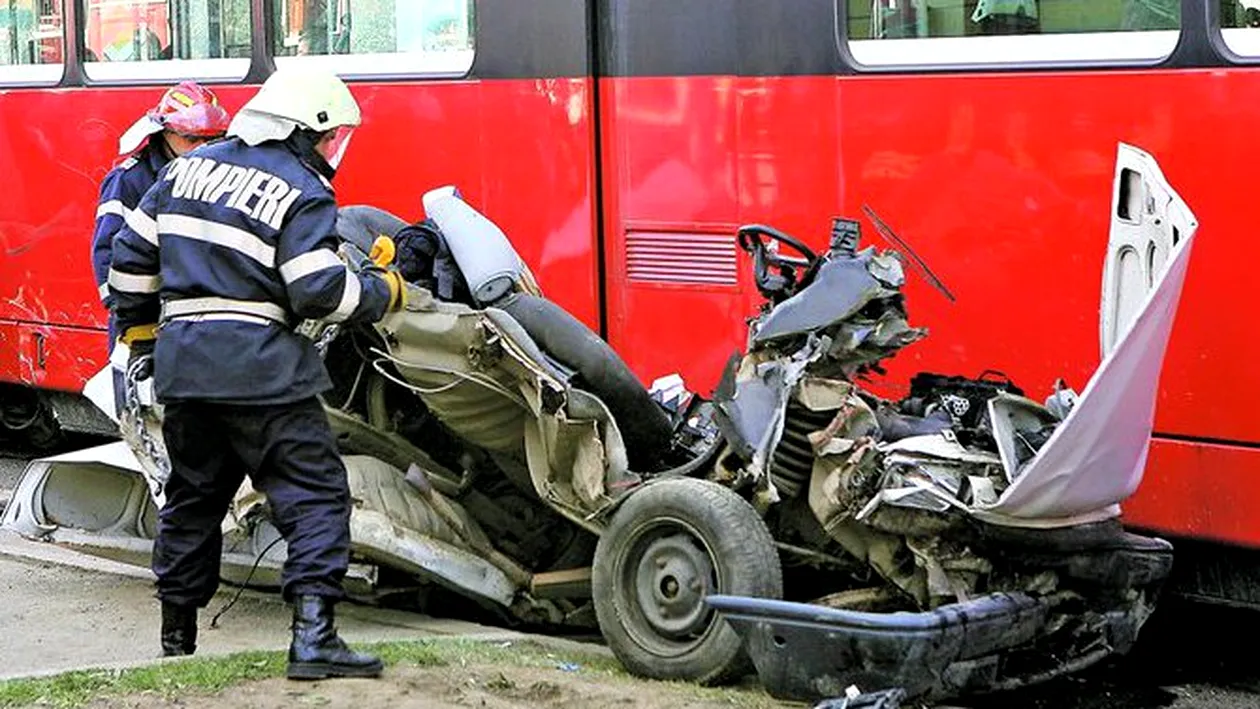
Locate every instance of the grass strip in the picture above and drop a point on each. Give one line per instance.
(209, 675)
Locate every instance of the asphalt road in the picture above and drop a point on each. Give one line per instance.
(1189, 657)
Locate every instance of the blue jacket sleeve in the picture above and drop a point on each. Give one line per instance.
(110, 209)
(319, 285)
(135, 270)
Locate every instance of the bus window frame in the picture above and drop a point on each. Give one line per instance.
(160, 71)
(261, 62)
(41, 75)
(1246, 55)
(347, 66)
(1178, 47)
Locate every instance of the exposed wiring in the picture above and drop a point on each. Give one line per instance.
(473, 378)
(354, 388)
(214, 622)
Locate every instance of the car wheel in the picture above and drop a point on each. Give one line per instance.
(667, 548)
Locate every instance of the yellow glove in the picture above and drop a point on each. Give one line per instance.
(383, 251)
(397, 290)
(139, 334)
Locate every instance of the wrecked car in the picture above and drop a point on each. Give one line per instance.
(964, 538)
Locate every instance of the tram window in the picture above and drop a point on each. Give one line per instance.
(31, 41)
(165, 39)
(1240, 26)
(924, 32)
(356, 37)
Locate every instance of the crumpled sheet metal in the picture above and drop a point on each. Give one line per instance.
(393, 525)
(932, 472)
(751, 399)
(1093, 460)
(485, 379)
(840, 289)
(578, 457)
(837, 492)
(1096, 458)
(751, 405)
(446, 353)
(25, 516)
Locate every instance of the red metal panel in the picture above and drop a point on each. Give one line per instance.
(698, 156)
(1201, 491)
(50, 357)
(520, 150)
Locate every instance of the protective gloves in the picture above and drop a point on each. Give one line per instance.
(383, 251)
(140, 341)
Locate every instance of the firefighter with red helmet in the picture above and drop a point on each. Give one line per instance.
(186, 116)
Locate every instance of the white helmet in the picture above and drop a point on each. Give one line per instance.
(297, 97)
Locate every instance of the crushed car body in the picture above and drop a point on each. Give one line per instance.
(996, 515)
(962, 539)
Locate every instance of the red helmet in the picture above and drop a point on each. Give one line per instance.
(191, 110)
(188, 108)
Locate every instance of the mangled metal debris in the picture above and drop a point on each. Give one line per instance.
(995, 515)
(857, 699)
(963, 538)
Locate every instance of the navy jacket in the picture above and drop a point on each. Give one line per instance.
(120, 193)
(231, 248)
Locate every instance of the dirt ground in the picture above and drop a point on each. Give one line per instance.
(484, 686)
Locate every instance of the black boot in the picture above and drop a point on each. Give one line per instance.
(179, 629)
(317, 652)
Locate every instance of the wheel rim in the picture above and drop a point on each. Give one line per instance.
(664, 571)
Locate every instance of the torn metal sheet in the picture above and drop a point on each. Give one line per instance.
(1095, 459)
(840, 289)
(929, 472)
(752, 400)
(944, 446)
(1021, 428)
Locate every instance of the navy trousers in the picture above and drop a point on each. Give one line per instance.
(291, 456)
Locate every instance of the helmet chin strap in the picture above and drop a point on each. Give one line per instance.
(302, 143)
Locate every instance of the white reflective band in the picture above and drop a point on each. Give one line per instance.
(129, 283)
(304, 265)
(218, 234)
(350, 296)
(200, 306)
(142, 224)
(111, 207)
(224, 317)
(103, 290)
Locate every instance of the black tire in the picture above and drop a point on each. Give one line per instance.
(672, 533)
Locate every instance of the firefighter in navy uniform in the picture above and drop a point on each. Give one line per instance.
(186, 116)
(232, 247)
